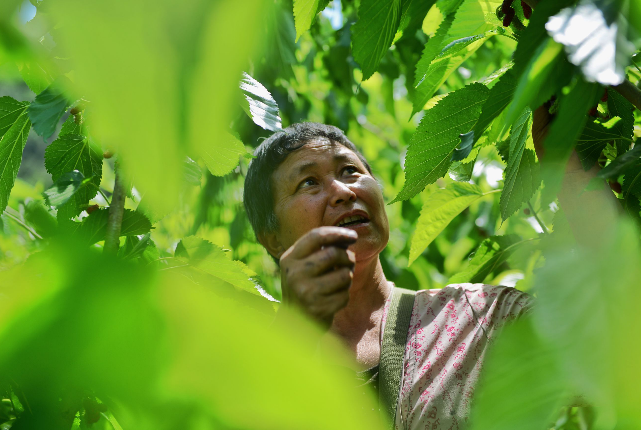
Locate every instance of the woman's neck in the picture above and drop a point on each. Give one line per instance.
(367, 297)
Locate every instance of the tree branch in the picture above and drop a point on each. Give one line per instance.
(116, 211)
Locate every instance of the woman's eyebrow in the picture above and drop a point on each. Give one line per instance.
(302, 168)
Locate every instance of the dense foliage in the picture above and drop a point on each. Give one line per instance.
(133, 292)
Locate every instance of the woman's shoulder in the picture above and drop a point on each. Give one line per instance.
(496, 301)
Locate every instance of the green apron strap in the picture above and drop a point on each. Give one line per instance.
(393, 349)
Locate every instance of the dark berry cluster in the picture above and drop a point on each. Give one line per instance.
(508, 13)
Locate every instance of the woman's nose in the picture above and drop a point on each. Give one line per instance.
(341, 193)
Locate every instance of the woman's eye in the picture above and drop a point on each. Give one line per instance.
(350, 170)
(307, 183)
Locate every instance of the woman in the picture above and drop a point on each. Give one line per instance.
(315, 206)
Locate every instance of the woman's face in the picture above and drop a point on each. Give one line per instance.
(326, 184)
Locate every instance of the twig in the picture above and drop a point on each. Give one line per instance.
(536, 217)
(116, 211)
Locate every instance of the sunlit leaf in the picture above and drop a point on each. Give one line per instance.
(260, 106)
(304, 13)
(438, 211)
(594, 36)
(373, 33)
(432, 48)
(11, 146)
(522, 173)
(430, 151)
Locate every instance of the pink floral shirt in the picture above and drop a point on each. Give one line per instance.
(450, 330)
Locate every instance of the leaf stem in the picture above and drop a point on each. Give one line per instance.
(536, 217)
(116, 211)
(104, 196)
(21, 223)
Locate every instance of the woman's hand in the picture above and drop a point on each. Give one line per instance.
(317, 271)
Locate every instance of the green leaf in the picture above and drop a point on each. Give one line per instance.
(46, 110)
(38, 216)
(304, 13)
(522, 384)
(564, 132)
(621, 163)
(192, 172)
(224, 154)
(492, 252)
(462, 172)
(430, 150)
(75, 152)
(465, 147)
(450, 58)
(413, 13)
(134, 247)
(547, 72)
(438, 211)
(473, 17)
(460, 34)
(621, 107)
(70, 126)
(11, 146)
(432, 48)
(93, 228)
(594, 137)
(36, 75)
(209, 258)
(259, 104)
(498, 99)
(65, 187)
(373, 33)
(522, 173)
(10, 110)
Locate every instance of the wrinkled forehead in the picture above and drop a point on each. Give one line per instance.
(312, 153)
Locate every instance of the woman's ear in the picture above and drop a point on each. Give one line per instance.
(271, 243)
